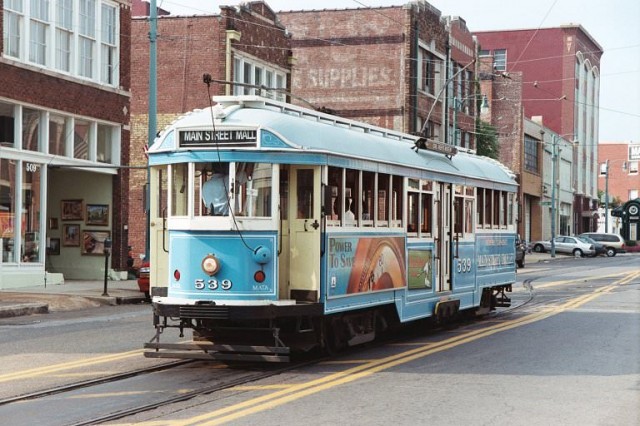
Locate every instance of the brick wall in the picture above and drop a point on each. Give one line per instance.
(186, 49)
(351, 61)
(267, 41)
(620, 181)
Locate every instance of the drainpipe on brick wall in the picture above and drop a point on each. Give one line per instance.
(447, 92)
(232, 35)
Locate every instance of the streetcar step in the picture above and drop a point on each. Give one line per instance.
(210, 351)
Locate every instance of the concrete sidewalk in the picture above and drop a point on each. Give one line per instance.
(71, 295)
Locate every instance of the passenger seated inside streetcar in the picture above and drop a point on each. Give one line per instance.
(214, 190)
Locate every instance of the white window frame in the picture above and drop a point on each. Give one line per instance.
(500, 65)
(109, 44)
(252, 71)
(13, 21)
(65, 36)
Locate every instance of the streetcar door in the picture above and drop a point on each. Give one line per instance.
(443, 236)
(304, 223)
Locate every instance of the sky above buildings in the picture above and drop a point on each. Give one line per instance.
(612, 23)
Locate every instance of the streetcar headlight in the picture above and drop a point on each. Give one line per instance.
(211, 265)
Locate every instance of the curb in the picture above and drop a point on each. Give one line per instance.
(21, 309)
(117, 300)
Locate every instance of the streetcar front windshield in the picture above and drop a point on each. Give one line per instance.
(244, 185)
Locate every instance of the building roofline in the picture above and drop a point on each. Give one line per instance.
(561, 26)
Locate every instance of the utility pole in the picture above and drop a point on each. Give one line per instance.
(606, 197)
(153, 36)
(554, 158)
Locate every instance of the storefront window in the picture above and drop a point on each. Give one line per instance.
(31, 205)
(104, 143)
(30, 129)
(81, 140)
(6, 125)
(57, 134)
(7, 208)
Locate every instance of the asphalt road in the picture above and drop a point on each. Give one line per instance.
(568, 354)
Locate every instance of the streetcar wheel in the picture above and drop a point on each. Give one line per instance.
(332, 336)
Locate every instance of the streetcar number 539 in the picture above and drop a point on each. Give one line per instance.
(463, 265)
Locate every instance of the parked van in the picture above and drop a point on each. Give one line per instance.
(613, 243)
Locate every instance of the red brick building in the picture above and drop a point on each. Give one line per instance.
(244, 44)
(64, 115)
(622, 159)
(388, 66)
(560, 82)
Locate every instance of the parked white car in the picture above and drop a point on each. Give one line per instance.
(564, 244)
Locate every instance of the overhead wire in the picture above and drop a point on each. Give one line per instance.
(335, 42)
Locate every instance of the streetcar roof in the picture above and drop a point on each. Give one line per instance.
(300, 129)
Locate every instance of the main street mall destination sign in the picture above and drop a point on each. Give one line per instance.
(238, 138)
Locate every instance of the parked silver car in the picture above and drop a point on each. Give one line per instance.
(564, 244)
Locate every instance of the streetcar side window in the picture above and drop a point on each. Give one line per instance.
(458, 215)
(200, 177)
(304, 192)
(426, 229)
(504, 210)
(368, 189)
(397, 201)
(511, 207)
(284, 192)
(252, 189)
(352, 198)
(413, 212)
(480, 213)
(468, 216)
(214, 178)
(383, 204)
(463, 210)
(488, 203)
(496, 208)
(365, 198)
(179, 189)
(334, 187)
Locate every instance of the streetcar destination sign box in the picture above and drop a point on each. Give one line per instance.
(229, 137)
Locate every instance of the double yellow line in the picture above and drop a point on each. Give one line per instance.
(302, 390)
(41, 371)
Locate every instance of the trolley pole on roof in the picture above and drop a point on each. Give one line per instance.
(153, 35)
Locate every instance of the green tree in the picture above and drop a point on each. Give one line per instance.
(613, 201)
(487, 140)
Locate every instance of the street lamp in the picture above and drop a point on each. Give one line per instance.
(458, 105)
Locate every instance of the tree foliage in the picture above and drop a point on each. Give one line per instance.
(613, 201)
(487, 140)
